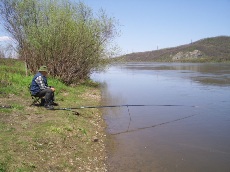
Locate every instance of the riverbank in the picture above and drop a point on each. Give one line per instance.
(35, 139)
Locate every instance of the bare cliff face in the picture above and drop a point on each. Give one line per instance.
(187, 55)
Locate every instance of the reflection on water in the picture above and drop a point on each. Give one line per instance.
(192, 137)
(213, 73)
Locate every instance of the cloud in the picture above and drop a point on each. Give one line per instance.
(5, 38)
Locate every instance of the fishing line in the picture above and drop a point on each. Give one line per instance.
(142, 128)
(130, 119)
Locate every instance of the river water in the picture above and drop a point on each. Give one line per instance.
(186, 125)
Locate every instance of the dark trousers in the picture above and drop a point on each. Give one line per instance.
(48, 94)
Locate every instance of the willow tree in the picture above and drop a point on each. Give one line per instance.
(69, 38)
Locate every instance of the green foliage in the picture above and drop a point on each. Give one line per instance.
(83, 131)
(2, 167)
(13, 78)
(66, 37)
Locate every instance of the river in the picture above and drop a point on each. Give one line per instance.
(182, 123)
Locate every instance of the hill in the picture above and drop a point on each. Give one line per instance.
(215, 49)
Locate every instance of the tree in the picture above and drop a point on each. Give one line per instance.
(2, 54)
(66, 37)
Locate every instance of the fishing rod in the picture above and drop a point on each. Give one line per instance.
(130, 119)
(105, 106)
(112, 106)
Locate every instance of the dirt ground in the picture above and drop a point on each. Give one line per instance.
(36, 139)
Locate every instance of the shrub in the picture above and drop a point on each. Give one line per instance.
(66, 37)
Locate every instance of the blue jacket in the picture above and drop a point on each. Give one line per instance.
(39, 82)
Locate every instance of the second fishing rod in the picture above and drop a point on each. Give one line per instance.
(123, 105)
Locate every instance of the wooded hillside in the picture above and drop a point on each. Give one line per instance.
(215, 49)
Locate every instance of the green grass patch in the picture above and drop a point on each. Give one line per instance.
(35, 139)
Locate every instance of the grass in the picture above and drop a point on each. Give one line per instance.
(36, 139)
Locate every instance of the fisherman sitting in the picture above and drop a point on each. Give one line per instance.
(39, 88)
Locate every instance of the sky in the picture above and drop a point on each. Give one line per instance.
(147, 25)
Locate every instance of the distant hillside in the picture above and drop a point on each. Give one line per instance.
(205, 50)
